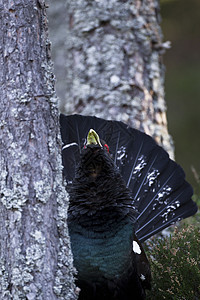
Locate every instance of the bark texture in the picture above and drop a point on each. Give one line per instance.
(35, 254)
(57, 16)
(114, 64)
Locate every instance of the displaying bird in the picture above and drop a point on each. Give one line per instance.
(123, 189)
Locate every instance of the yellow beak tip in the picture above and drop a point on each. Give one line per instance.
(93, 138)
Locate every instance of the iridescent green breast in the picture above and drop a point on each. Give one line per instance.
(103, 254)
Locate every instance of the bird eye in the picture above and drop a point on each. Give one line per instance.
(106, 147)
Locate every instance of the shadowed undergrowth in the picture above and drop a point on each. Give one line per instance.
(175, 264)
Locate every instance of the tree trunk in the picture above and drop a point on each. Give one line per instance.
(114, 64)
(35, 254)
(57, 15)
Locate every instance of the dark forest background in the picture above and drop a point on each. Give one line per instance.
(181, 25)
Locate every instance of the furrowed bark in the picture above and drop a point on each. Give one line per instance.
(35, 254)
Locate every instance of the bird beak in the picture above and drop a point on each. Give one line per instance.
(93, 138)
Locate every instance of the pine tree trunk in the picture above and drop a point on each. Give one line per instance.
(114, 64)
(35, 254)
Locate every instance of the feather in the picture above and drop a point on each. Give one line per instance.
(160, 193)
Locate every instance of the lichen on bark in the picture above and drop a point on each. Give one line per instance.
(32, 196)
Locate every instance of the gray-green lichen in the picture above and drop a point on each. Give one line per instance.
(65, 271)
(34, 242)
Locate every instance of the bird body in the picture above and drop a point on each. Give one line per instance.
(117, 199)
(101, 228)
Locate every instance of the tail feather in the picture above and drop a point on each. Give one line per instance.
(187, 211)
(117, 147)
(157, 194)
(157, 184)
(176, 207)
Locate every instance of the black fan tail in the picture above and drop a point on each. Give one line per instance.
(157, 184)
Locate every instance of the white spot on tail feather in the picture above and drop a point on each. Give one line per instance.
(121, 154)
(142, 277)
(136, 248)
(69, 145)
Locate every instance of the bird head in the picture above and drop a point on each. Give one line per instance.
(95, 154)
(94, 140)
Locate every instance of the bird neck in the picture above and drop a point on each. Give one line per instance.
(105, 198)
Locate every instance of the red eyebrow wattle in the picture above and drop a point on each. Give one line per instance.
(106, 146)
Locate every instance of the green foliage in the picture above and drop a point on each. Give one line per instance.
(175, 263)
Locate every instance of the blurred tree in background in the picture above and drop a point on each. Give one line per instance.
(108, 62)
(181, 26)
